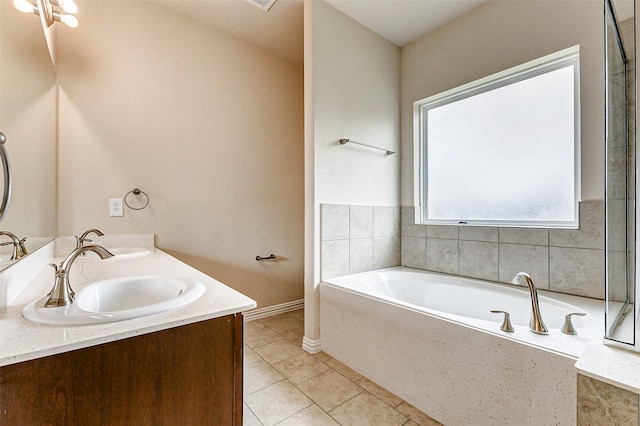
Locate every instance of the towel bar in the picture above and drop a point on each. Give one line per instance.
(388, 151)
(270, 257)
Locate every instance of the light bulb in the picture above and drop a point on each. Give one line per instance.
(69, 20)
(69, 6)
(23, 6)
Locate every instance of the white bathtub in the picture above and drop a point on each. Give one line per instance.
(430, 339)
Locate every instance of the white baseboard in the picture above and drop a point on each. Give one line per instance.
(255, 314)
(311, 346)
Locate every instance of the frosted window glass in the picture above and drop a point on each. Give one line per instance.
(507, 154)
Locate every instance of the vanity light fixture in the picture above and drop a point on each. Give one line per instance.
(51, 10)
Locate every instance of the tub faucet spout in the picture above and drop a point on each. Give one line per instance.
(535, 323)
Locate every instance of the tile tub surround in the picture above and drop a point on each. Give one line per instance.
(562, 260)
(286, 386)
(23, 340)
(600, 403)
(358, 238)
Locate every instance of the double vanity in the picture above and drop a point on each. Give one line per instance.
(147, 340)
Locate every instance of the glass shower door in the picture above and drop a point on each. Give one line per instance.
(620, 176)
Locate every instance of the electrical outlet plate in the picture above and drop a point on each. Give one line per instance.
(115, 207)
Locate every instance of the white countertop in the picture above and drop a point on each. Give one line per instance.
(615, 366)
(22, 340)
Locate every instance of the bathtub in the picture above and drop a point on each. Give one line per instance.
(431, 339)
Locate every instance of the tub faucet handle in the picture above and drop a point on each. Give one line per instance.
(506, 322)
(568, 328)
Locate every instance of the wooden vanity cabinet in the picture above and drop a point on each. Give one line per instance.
(187, 375)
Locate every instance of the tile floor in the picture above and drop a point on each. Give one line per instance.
(284, 385)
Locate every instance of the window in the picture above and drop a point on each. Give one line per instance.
(503, 150)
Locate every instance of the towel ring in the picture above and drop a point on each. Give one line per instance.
(136, 191)
(6, 169)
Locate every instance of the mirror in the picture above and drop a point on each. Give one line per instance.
(28, 119)
(620, 171)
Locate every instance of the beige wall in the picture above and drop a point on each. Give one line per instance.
(345, 84)
(211, 128)
(500, 35)
(354, 80)
(28, 119)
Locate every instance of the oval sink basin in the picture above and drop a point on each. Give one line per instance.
(120, 253)
(118, 299)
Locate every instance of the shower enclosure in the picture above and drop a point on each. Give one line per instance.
(620, 191)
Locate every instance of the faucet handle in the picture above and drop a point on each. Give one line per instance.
(56, 268)
(506, 322)
(568, 328)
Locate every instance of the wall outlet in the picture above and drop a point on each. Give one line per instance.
(115, 207)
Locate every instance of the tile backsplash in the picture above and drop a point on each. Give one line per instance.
(358, 238)
(362, 238)
(562, 260)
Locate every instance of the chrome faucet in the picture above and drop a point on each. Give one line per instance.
(535, 323)
(19, 249)
(83, 238)
(62, 294)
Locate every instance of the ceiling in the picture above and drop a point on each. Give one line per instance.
(281, 29)
(404, 21)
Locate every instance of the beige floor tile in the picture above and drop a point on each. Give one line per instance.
(294, 336)
(248, 418)
(277, 402)
(310, 416)
(278, 351)
(274, 362)
(257, 334)
(298, 314)
(258, 376)
(344, 370)
(301, 368)
(250, 326)
(379, 392)
(367, 410)
(330, 389)
(323, 357)
(280, 324)
(274, 317)
(250, 357)
(416, 415)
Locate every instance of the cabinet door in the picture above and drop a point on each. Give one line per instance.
(188, 375)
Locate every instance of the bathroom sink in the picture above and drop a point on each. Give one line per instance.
(118, 299)
(120, 253)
